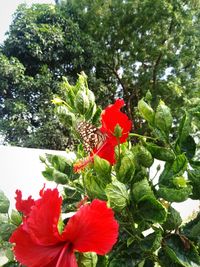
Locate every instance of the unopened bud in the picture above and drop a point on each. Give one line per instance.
(118, 131)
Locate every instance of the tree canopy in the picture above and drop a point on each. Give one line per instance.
(130, 49)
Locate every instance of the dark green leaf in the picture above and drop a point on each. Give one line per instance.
(160, 153)
(141, 189)
(194, 178)
(182, 251)
(152, 241)
(179, 165)
(174, 194)
(192, 229)
(13, 264)
(188, 146)
(173, 220)
(142, 156)
(152, 210)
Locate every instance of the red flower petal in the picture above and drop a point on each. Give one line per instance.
(92, 228)
(43, 219)
(112, 116)
(30, 254)
(23, 206)
(67, 258)
(107, 151)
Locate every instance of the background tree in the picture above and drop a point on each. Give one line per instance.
(131, 49)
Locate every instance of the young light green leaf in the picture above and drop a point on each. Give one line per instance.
(146, 111)
(163, 118)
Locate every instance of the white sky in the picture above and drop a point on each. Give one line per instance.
(7, 9)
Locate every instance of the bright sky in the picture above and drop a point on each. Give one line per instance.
(7, 9)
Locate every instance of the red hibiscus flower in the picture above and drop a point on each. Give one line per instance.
(110, 118)
(38, 243)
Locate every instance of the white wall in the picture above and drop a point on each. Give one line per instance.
(20, 168)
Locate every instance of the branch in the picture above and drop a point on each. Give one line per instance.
(119, 79)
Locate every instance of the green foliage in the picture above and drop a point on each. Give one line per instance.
(141, 41)
(135, 49)
(151, 230)
(4, 203)
(140, 203)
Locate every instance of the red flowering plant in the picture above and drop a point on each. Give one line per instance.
(114, 130)
(108, 197)
(39, 242)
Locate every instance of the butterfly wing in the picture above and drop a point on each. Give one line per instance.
(92, 137)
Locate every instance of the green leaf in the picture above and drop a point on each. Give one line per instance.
(48, 173)
(142, 156)
(192, 229)
(172, 169)
(152, 241)
(194, 178)
(184, 127)
(6, 230)
(82, 103)
(16, 217)
(152, 210)
(59, 177)
(160, 153)
(102, 261)
(163, 118)
(94, 186)
(117, 195)
(179, 165)
(188, 146)
(149, 263)
(4, 203)
(102, 168)
(66, 117)
(124, 262)
(174, 194)
(166, 261)
(173, 220)
(126, 170)
(182, 251)
(146, 111)
(141, 189)
(12, 264)
(88, 259)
